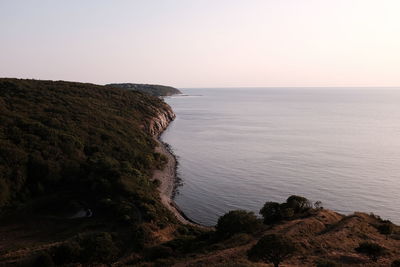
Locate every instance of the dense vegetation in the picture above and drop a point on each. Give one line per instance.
(371, 249)
(237, 221)
(81, 145)
(154, 90)
(273, 212)
(272, 249)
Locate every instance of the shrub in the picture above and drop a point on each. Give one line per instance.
(395, 263)
(67, 252)
(140, 235)
(4, 191)
(271, 212)
(237, 221)
(94, 247)
(164, 262)
(386, 229)
(326, 263)
(98, 247)
(158, 252)
(272, 249)
(318, 205)
(372, 250)
(298, 203)
(157, 183)
(234, 263)
(43, 260)
(286, 211)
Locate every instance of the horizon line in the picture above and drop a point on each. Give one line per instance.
(261, 87)
(208, 87)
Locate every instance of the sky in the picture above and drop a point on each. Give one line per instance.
(203, 43)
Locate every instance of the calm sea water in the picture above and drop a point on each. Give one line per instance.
(238, 148)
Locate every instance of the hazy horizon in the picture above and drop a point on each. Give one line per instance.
(204, 44)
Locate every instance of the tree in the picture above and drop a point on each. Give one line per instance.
(298, 203)
(271, 212)
(372, 250)
(237, 221)
(386, 229)
(272, 249)
(318, 205)
(286, 211)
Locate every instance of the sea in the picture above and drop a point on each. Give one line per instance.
(240, 147)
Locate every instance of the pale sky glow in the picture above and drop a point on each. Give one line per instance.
(203, 43)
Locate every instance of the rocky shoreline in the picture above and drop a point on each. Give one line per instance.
(168, 175)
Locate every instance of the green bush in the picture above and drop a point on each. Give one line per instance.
(286, 212)
(140, 235)
(272, 249)
(67, 252)
(158, 252)
(237, 221)
(271, 212)
(395, 263)
(97, 247)
(157, 183)
(4, 192)
(94, 247)
(234, 264)
(298, 203)
(372, 250)
(386, 228)
(326, 263)
(43, 260)
(164, 262)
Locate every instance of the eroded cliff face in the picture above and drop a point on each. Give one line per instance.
(160, 121)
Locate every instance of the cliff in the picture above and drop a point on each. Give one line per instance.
(160, 121)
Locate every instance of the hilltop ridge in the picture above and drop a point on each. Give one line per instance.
(152, 89)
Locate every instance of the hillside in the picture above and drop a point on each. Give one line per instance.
(322, 238)
(77, 188)
(154, 90)
(77, 150)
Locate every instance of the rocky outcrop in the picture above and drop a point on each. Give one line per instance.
(160, 121)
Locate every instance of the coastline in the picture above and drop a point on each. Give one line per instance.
(168, 175)
(168, 179)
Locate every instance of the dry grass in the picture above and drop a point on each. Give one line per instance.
(323, 235)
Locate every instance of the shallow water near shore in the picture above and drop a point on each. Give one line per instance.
(238, 148)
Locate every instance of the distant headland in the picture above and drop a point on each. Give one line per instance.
(152, 89)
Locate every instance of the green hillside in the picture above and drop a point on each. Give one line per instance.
(79, 140)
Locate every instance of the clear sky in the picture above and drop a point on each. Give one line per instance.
(203, 43)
